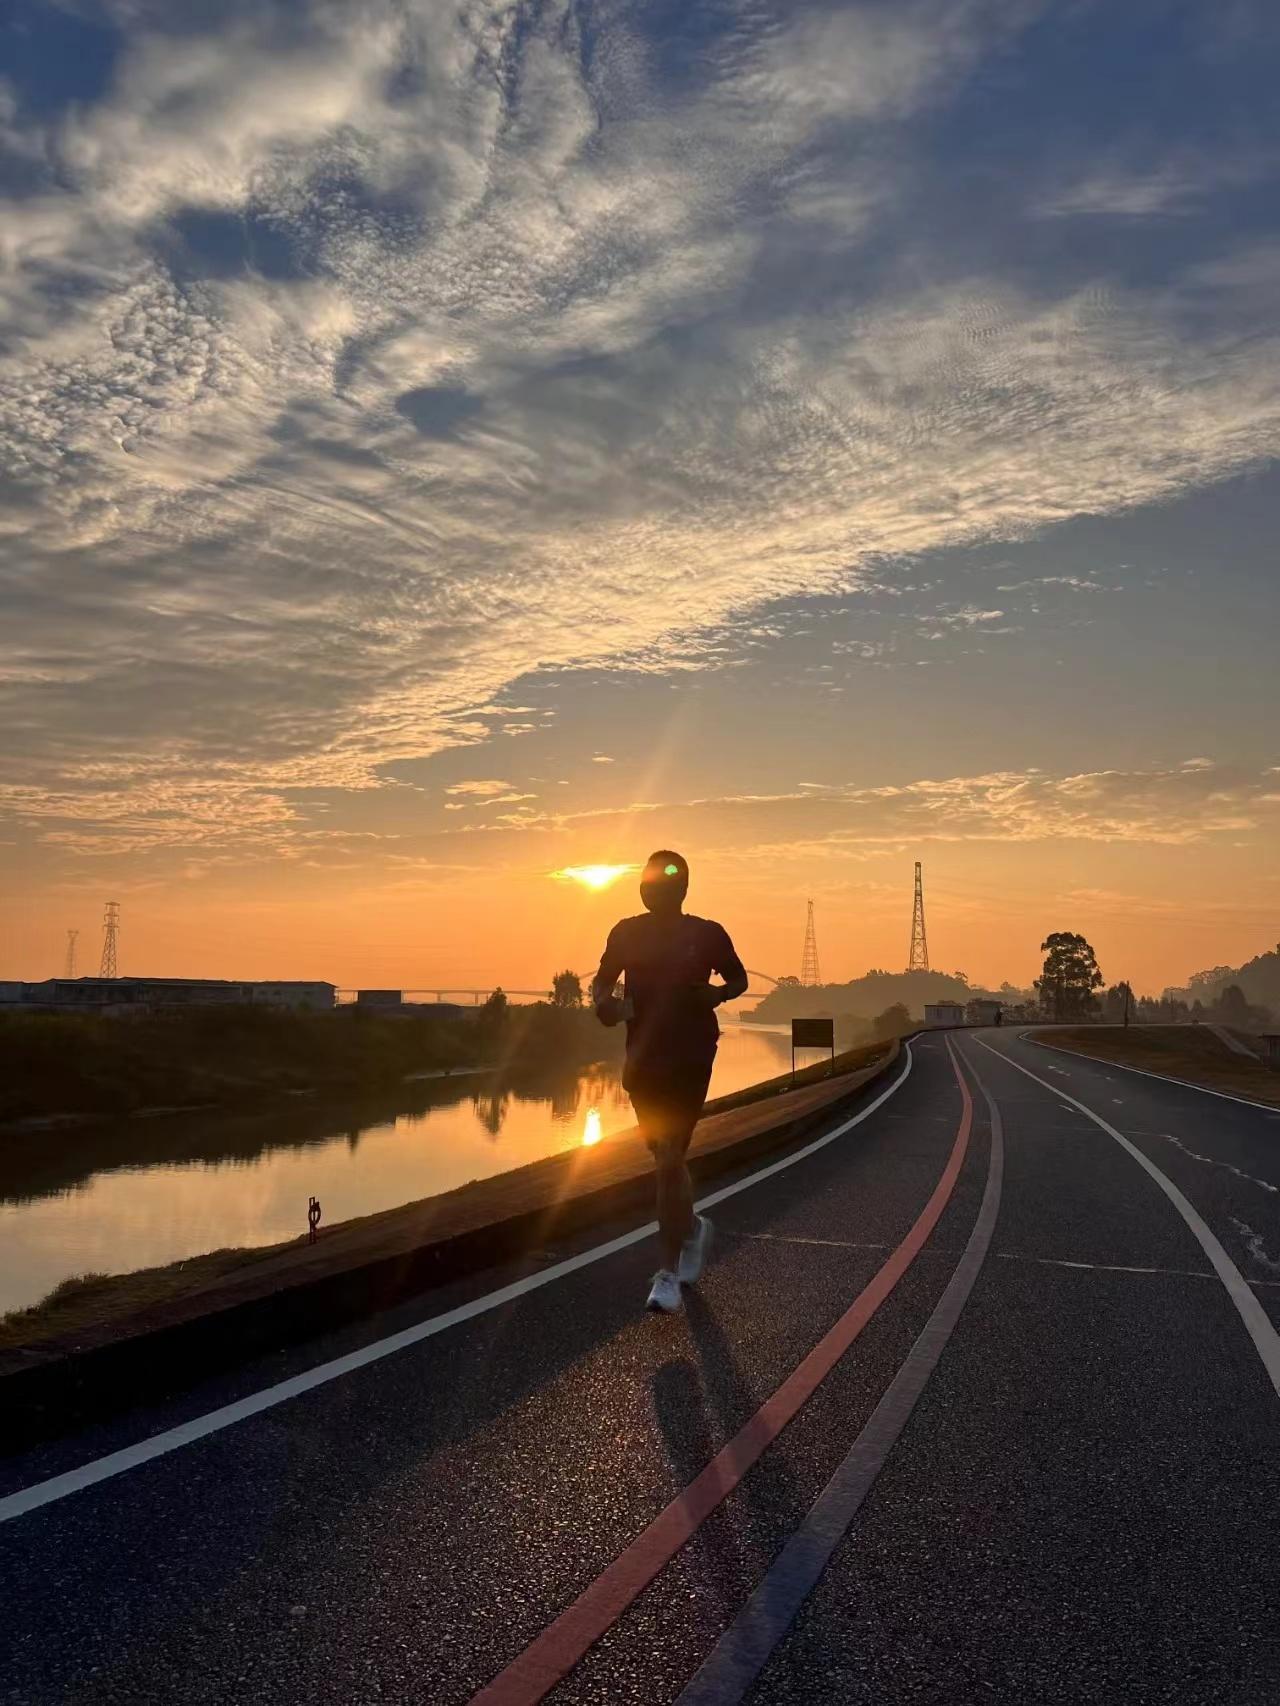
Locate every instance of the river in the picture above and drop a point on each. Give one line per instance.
(140, 1193)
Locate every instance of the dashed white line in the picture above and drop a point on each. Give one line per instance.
(1160, 1077)
(1103, 1267)
(1124, 1268)
(1257, 1323)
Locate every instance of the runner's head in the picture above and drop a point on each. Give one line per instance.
(664, 882)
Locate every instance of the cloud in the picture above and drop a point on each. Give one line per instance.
(1074, 583)
(484, 789)
(1166, 807)
(360, 362)
(1175, 186)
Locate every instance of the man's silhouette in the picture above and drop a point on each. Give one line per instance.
(667, 958)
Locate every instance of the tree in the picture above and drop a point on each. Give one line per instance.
(1211, 980)
(895, 1021)
(1069, 978)
(1231, 1006)
(492, 1016)
(1118, 1004)
(566, 989)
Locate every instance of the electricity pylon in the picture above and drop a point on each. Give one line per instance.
(919, 957)
(110, 935)
(809, 973)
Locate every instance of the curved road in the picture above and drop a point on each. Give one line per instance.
(977, 1402)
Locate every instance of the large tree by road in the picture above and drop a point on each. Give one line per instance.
(1069, 978)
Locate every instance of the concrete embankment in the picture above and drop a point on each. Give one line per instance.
(266, 1298)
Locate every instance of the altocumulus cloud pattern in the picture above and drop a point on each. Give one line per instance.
(358, 359)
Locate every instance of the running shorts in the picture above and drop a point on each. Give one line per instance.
(668, 1105)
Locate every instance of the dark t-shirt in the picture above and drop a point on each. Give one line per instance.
(664, 959)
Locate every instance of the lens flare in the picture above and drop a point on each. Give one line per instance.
(591, 1132)
(593, 876)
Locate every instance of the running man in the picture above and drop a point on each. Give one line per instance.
(667, 957)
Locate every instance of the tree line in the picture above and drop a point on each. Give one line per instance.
(1069, 984)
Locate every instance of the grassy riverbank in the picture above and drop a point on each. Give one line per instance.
(92, 1066)
(96, 1304)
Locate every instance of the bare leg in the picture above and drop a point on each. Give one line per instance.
(675, 1202)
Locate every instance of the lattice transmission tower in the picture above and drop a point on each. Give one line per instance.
(70, 967)
(110, 940)
(919, 958)
(809, 973)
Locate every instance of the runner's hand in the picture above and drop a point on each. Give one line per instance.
(610, 1011)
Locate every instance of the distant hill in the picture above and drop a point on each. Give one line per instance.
(865, 997)
(1259, 978)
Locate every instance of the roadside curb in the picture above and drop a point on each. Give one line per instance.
(61, 1388)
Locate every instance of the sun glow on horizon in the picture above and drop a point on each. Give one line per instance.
(593, 876)
(592, 1131)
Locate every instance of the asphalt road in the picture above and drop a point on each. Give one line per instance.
(1081, 1506)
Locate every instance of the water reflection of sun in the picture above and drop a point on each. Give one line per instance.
(591, 1131)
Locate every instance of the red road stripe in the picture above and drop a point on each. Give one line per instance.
(549, 1659)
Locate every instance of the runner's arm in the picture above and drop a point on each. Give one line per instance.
(608, 1007)
(730, 968)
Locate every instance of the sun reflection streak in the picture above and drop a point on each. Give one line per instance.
(591, 1131)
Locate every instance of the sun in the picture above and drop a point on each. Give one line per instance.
(593, 876)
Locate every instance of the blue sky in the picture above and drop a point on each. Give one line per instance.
(442, 443)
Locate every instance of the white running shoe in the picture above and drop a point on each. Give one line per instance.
(664, 1294)
(693, 1252)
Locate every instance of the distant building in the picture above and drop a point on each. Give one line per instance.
(392, 1002)
(943, 1013)
(141, 994)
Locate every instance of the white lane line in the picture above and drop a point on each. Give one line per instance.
(730, 1671)
(1116, 1268)
(827, 1243)
(1257, 1323)
(1160, 1077)
(199, 1427)
(1103, 1267)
